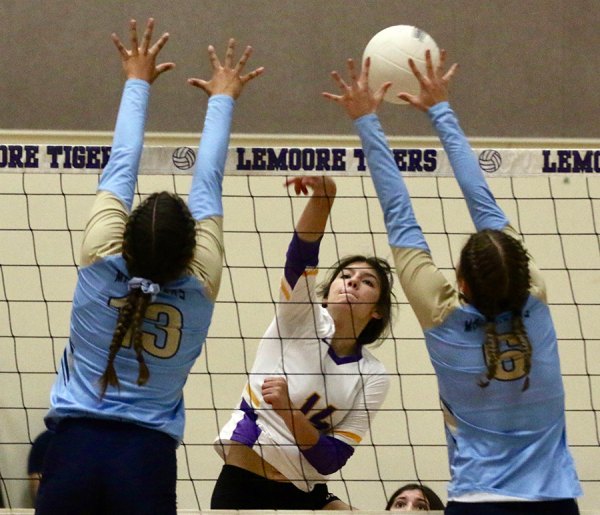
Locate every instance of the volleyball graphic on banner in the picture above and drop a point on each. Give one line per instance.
(184, 158)
(490, 160)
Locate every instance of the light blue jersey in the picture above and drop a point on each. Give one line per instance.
(503, 442)
(177, 321)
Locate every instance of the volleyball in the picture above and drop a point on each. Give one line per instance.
(390, 50)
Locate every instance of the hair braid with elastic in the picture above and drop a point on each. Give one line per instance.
(159, 242)
(492, 353)
(495, 267)
(109, 377)
(136, 336)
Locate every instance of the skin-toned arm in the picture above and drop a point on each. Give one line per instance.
(275, 392)
(312, 222)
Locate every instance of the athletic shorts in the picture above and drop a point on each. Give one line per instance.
(239, 489)
(95, 466)
(561, 507)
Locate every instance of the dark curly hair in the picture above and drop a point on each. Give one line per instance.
(158, 244)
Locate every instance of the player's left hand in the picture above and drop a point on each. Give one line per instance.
(433, 85)
(356, 97)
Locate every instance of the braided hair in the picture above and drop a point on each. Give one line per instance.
(158, 245)
(495, 268)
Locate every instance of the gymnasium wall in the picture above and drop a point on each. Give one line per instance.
(527, 67)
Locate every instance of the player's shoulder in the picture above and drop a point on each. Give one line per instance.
(374, 365)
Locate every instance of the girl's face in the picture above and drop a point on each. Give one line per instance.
(410, 500)
(356, 287)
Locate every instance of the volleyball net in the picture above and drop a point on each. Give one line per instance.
(551, 196)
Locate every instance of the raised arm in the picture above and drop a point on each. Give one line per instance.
(205, 200)
(224, 87)
(433, 99)
(361, 104)
(303, 250)
(140, 68)
(425, 286)
(104, 232)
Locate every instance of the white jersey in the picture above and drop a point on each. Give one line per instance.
(340, 395)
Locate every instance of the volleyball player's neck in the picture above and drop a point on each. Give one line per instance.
(344, 346)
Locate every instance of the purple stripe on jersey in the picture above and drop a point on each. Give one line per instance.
(328, 455)
(300, 255)
(342, 360)
(246, 431)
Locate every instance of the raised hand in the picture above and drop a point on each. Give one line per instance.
(140, 61)
(357, 98)
(226, 78)
(434, 85)
(321, 186)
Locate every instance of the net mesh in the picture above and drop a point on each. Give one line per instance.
(42, 217)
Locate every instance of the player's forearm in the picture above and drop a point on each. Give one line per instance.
(401, 224)
(120, 175)
(484, 210)
(312, 222)
(304, 433)
(205, 195)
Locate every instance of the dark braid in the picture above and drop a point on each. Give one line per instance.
(524, 346)
(492, 353)
(136, 335)
(495, 267)
(109, 377)
(158, 245)
(159, 238)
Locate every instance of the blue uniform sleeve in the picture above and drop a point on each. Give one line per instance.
(484, 210)
(120, 175)
(401, 224)
(207, 184)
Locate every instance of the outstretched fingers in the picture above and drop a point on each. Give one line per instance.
(199, 83)
(352, 70)
(416, 72)
(120, 47)
(133, 37)
(139, 61)
(162, 41)
(213, 57)
(439, 69)
(239, 67)
(340, 83)
(252, 75)
(229, 53)
(147, 36)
